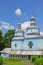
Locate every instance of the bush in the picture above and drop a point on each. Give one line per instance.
(38, 61)
(1, 61)
(34, 58)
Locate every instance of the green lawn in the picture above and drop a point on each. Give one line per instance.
(13, 61)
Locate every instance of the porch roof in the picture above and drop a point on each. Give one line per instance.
(20, 52)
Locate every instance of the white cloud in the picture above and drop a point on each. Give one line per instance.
(25, 25)
(0, 27)
(6, 25)
(41, 33)
(11, 27)
(18, 12)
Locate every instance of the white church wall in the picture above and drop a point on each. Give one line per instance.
(5, 55)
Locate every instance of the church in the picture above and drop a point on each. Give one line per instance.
(25, 44)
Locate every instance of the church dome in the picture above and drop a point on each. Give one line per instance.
(32, 18)
(33, 29)
(19, 32)
(32, 21)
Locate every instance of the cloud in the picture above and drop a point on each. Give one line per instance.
(18, 12)
(0, 27)
(25, 25)
(6, 25)
(41, 33)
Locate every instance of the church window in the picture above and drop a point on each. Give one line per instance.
(15, 45)
(22, 40)
(30, 44)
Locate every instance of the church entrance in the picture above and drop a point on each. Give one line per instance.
(29, 57)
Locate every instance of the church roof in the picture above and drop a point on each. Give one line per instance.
(6, 50)
(28, 52)
(19, 31)
(32, 31)
(32, 18)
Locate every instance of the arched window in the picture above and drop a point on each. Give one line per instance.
(30, 44)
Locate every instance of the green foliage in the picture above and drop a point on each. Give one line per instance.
(13, 61)
(1, 41)
(38, 61)
(5, 41)
(34, 58)
(1, 61)
(8, 37)
(1, 45)
(0, 35)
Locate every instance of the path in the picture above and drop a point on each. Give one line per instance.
(27, 62)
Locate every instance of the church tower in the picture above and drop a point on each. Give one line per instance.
(32, 36)
(19, 32)
(33, 29)
(17, 41)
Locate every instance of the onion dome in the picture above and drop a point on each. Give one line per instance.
(32, 18)
(32, 21)
(19, 32)
(33, 28)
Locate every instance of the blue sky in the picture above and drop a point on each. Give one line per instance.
(27, 8)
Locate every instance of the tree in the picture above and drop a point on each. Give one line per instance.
(0, 35)
(1, 41)
(5, 41)
(8, 37)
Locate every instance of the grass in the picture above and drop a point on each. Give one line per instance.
(13, 61)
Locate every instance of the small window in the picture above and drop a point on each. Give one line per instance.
(22, 40)
(15, 45)
(30, 44)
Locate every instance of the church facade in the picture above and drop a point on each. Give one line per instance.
(25, 44)
(31, 40)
